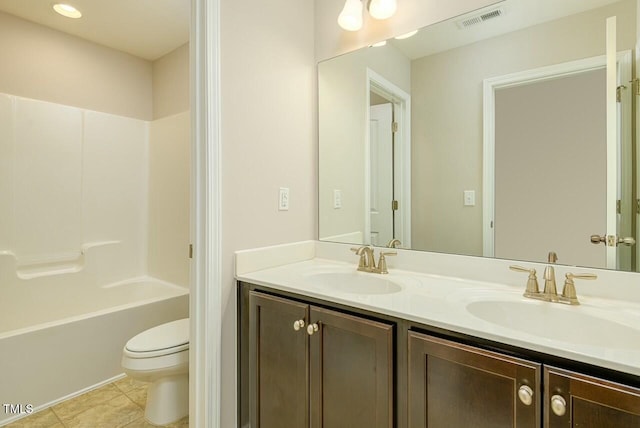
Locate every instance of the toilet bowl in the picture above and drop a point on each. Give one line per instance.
(160, 355)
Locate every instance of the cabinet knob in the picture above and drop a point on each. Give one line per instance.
(297, 325)
(558, 405)
(312, 328)
(525, 394)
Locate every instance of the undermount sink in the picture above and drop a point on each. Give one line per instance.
(567, 324)
(354, 282)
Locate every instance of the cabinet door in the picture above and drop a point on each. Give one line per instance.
(278, 363)
(351, 371)
(455, 385)
(576, 400)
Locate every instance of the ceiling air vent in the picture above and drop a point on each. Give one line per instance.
(481, 17)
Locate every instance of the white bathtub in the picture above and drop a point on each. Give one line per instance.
(58, 342)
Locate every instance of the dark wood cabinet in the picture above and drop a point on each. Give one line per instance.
(344, 368)
(576, 400)
(335, 370)
(455, 385)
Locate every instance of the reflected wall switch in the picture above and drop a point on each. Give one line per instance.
(337, 199)
(469, 198)
(283, 199)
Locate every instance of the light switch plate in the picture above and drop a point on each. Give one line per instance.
(337, 199)
(469, 198)
(283, 199)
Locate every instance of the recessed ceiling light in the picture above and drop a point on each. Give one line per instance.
(407, 35)
(67, 10)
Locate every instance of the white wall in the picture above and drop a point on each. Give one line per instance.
(171, 83)
(73, 177)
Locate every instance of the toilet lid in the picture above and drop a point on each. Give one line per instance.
(164, 337)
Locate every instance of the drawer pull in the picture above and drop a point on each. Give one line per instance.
(525, 394)
(558, 405)
(312, 328)
(297, 325)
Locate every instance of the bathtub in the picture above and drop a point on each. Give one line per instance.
(56, 343)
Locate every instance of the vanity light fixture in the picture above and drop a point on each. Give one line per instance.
(377, 45)
(350, 18)
(67, 10)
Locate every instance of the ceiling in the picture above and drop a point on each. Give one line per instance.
(517, 14)
(147, 29)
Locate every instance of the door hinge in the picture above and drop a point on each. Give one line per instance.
(394, 127)
(635, 85)
(394, 205)
(619, 206)
(190, 251)
(637, 206)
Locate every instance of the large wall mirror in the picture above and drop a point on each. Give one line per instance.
(500, 133)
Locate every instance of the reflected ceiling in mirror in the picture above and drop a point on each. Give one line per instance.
(527, 75)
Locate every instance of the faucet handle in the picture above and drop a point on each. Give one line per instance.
(569, 290)
(532, 282)
(382, 262)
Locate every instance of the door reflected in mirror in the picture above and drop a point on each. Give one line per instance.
(498, 139)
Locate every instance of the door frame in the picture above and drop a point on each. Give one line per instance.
(534, 75)
(402, 155)
(205, 296)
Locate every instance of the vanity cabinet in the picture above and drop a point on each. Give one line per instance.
(306, 362)
(311, 366)
(576, 400)
(456, 385)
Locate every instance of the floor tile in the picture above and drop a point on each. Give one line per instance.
(127, 383)
(43, 419)
(141, 423)
(138, 396)
(114, 413)
(68, 409)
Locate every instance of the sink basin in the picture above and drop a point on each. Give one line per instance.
(353, 282)
(561, 323)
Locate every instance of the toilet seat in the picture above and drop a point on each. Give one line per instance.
(165, 339)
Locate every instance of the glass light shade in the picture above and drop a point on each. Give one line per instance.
(382, 9)
(67, 10)
(351, 16)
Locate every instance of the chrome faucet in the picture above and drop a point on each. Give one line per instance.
(367, 261)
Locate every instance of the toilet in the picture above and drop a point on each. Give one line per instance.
(160, 355)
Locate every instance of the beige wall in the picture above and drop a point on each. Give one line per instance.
(171, 83)
(447, 157)
(169, 196)
(45, 64)
(268, 141)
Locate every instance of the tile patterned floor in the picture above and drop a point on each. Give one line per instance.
(117, 405)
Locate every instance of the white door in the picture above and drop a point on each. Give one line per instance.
(612, 146)
(381, 179)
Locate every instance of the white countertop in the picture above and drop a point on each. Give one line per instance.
(600, 331)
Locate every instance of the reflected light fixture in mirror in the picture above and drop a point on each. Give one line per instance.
(350, 18)
(67, 10)
(382, 9)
